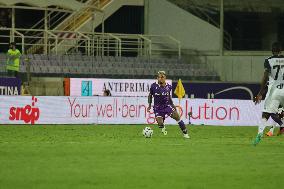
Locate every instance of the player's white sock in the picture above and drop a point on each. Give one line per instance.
(186, 136)
(262, 126)
(164, 131)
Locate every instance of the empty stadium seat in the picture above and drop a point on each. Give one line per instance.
(111, 66)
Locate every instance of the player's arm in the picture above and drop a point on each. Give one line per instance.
(150, 97)
(263, 84)
(18, 55)
(171, 102)
(11, 56)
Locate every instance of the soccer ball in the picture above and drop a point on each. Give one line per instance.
(147, 132)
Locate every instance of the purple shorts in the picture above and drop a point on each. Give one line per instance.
(163, 112)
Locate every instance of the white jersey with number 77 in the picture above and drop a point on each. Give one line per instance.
(275, 66)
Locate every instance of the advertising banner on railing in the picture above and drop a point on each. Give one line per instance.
(221, 90)
(122, 110)
(10, 86)
(117, 87)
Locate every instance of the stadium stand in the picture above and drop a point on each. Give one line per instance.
(109, 66)
(65, 48)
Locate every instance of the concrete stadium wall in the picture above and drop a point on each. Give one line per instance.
(164, 17)
(238, 68)
(47, 86)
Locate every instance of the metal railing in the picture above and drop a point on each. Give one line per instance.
(75, 20)
(54, 18)
(92, 44)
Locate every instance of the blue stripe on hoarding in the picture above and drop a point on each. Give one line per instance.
(10, 86)
(242, 91)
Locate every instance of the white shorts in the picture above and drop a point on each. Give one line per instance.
(273, 99)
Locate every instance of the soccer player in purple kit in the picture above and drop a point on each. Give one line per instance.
(163, 104)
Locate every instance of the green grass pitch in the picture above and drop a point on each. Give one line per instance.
(117, 156)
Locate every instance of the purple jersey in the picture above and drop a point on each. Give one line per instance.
(161, 95)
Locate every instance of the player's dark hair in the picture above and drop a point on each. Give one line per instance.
(276, 47)
(13, 43)
(107, 91)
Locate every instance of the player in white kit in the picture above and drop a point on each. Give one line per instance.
(280, 114)
(274, 76)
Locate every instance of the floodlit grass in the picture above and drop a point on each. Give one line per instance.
(119, 157)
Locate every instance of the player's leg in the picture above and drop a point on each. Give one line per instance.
(265, 116)
(271, 130)
(180, 122)
(263, 124)
(270, 107)
(160, 121)
(261, 127)
(160, 118)
(281, 130)
(278, 121)
(280, 115)
(281, 99)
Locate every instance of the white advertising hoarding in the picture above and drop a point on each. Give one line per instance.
(122, 110)
(117, 87)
